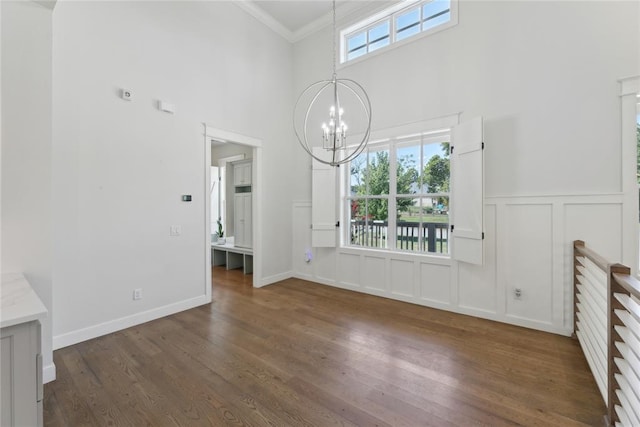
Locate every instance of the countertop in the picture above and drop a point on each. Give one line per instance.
(18, 301)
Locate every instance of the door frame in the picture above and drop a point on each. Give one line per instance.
(256, 198)
(629, 98)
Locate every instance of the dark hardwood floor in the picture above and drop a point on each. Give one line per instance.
(302, 354)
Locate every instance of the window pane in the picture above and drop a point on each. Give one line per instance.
(377, 213)
(408, 24)
(408, 224)
(407, 21)
(357, 53)
(356, 42)
(436, 167)
(357, 183)
(408, 169)
(369, 225)
(379, 36)
(435, 224)
(377, 172)
(435, 13)
(357, 221)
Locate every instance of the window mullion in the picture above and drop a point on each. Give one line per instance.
(421, 247)
(392, 210)
(392, 29)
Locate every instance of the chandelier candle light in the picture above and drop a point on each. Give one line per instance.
(333, 135)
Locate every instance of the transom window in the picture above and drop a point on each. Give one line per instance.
(398, 195)
(397, 23)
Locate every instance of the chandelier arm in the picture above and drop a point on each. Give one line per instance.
(304, 142)
(306, 117)
(367, 108)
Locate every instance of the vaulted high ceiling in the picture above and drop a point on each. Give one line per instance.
(295, 19)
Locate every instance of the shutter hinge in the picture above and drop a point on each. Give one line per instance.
(483, 235)
(483, 145)
(337, 223)
(451, 227)
(451, 149)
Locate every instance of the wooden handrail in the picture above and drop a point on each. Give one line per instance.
(628, 283)
(620, 286)
(579, 247)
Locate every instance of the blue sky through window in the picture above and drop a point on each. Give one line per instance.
(408, 24)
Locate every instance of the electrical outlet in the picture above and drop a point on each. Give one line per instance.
(175, 230)
(517, 293)
(137, 294)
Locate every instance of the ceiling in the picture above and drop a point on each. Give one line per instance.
(296, 19)
(294, 15)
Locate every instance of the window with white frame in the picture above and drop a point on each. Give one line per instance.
(400, 22)
(397, 195)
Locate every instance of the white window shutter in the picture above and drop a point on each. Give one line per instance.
(467, 192)
(323, 203)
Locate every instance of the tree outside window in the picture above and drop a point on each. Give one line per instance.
(409, 212)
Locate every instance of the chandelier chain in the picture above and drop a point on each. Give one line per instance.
(334, 39)
(333, 133)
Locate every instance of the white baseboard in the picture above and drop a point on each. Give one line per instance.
(275, 278)
(48, 373)
(470, 311)
(74, 337)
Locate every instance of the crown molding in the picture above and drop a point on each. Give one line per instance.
(268, 20)
(49, 4)
(325, 20)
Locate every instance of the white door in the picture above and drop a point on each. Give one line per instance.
(243, 219)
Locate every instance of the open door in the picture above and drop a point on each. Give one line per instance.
(467, 195)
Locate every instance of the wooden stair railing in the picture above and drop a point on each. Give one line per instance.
(607, 325)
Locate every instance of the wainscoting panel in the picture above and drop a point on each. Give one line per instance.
(435, 283)
(402, 278)
(477, 283)
(529, 261)
(300, 242)
(325, 264)
(349, 270)
(527, 246)
(374, 274)
(600, 226)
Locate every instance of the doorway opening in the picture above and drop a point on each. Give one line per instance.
(233, 168)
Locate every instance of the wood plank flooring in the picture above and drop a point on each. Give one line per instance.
(302, 354)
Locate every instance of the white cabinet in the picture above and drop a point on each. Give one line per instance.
(243, 220)
(21, 379)
(242, 173)
(20, 354)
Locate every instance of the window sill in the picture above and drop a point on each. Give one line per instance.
(428, 258)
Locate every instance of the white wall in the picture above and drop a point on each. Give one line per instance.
(228, 150)
(119, 168)
(26, 153)
(545, 77)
